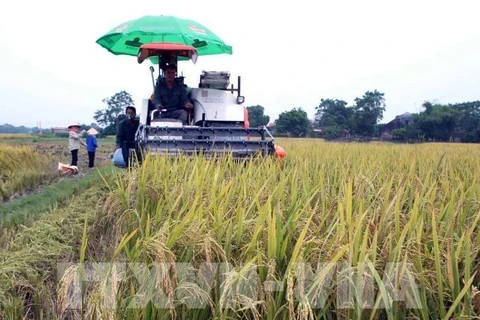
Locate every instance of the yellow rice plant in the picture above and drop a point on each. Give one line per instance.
(21, 169)
(346, 231)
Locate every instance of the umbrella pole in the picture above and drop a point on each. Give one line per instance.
(153, 80)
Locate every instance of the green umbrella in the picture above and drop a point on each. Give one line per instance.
(127, 38)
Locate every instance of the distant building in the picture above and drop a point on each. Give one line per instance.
(405, 119)
(317, 132)
(400, 121)
(59, 130)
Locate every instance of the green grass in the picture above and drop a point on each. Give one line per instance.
(49, 197)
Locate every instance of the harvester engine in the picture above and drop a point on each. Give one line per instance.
(214, 80)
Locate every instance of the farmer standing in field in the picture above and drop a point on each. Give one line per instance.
(91, 146)
(74, 141)
(126, 135)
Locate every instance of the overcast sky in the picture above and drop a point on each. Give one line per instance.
(288, 53)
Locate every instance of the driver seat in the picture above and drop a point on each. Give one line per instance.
(157, 115)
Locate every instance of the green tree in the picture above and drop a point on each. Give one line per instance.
(428, 107)
(368, 110)
(446, 122)
(293, 123)
(111, 115)
(256, 116)
(407, 134)
(468, 121)
(437, 122)
(333, 117)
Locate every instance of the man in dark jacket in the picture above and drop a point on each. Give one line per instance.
(126, 135)
(172, 97)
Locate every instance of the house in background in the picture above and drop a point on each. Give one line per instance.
(400, 121)
(59, 130)
(317, 132)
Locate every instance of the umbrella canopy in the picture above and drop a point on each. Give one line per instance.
(127, 38)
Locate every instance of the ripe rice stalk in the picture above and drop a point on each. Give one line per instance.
(22, 169)
(396, 215)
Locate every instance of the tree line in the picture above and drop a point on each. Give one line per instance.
(439, 122)
(8, 128)
(334, 119)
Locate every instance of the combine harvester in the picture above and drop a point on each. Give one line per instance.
(217, 125)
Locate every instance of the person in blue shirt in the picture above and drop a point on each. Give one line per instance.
(91, 146)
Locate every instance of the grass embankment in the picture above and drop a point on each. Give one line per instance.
(22, 170)
(30, 208)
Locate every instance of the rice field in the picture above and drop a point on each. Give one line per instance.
(333, 231)
(21, 169)
(26, 161)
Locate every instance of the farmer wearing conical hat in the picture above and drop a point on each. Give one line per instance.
(91, 146)
(74, 141)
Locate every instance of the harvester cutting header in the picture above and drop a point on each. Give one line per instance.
(216, 121)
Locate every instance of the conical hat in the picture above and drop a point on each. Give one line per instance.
(92, 131)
